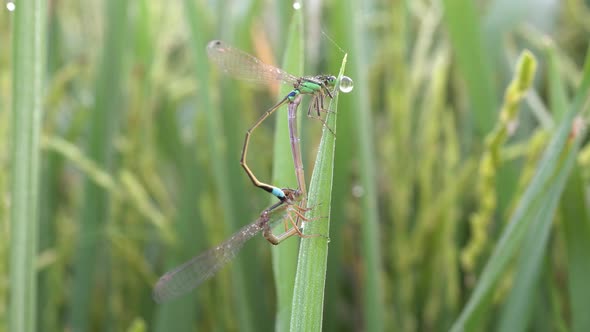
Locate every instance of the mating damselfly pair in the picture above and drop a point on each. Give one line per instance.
(292, 202)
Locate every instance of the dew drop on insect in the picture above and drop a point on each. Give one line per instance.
(296, 5)
(10, 6)
(346, 84)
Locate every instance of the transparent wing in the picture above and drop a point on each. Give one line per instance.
(191, 274)
(242, 65)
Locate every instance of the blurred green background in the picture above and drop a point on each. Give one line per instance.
(460, 194)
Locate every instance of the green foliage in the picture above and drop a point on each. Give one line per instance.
(27, 85)
(284, 256)
(438, 204)
(490, 161)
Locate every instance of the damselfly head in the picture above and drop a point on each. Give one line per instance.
(330, 80)
(215, 44)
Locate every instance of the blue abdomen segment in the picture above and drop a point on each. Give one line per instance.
(293, 94)
(278, 192)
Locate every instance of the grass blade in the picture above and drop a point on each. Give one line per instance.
(576, 217)
(551, 173)
(103, 122)
(516, 314)
(473, 61)
(308, 300)
(29, 32)
(363, 128)
(576, 226)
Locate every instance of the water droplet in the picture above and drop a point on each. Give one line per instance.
(10, 6)
(346, 84)
(296, 5)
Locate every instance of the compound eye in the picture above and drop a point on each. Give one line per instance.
(331, 80)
